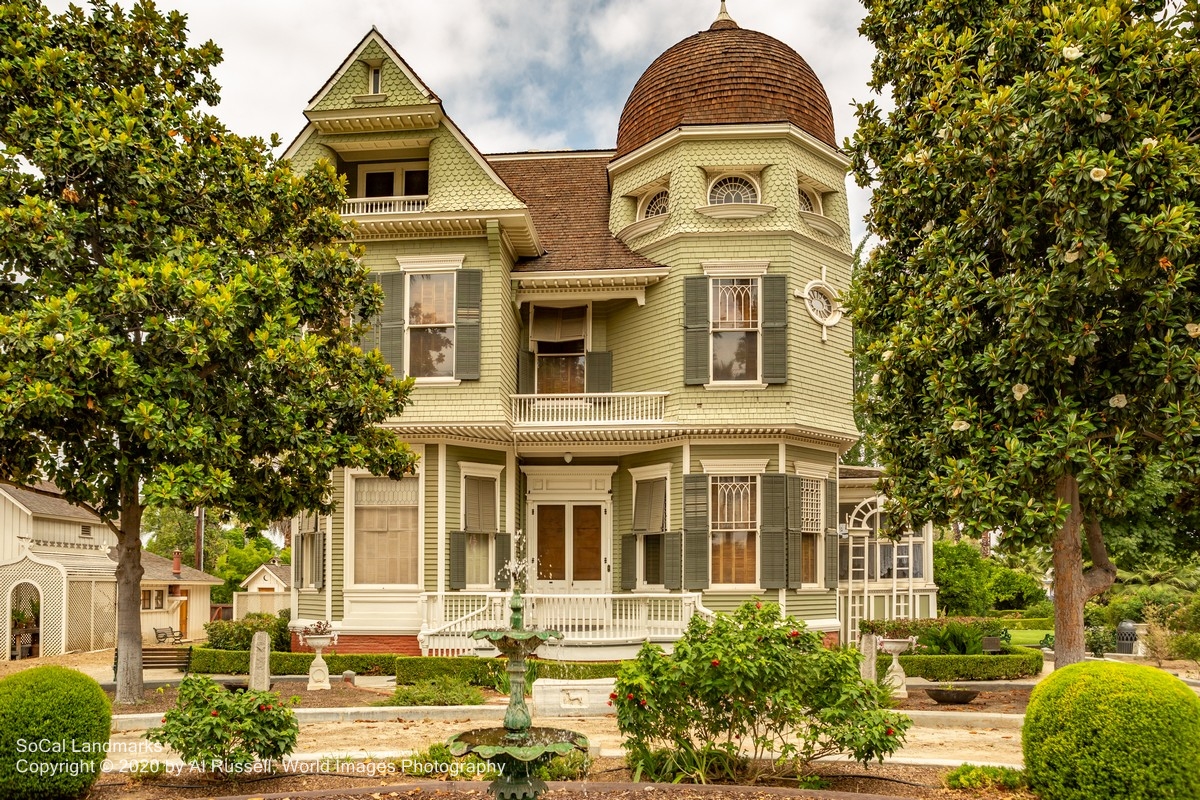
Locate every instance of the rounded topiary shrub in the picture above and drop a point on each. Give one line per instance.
(54, 728)
(1105, 729)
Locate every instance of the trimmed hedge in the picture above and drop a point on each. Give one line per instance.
(42, 710)
(1013, 662)
(1106, 729)
(905, 628)
(486, 671)
(237, 662)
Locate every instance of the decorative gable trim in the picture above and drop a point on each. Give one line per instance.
(372, 36)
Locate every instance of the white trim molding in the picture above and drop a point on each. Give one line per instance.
(735, 269)
(448, 263)
(734, 466)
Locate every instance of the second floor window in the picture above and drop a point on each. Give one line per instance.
(559, 339)
(735, 327)
(431, 325)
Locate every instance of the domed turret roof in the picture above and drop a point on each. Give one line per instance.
(725, 75)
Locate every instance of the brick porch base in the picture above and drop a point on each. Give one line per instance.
(348, 643)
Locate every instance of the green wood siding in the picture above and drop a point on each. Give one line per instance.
(812, 605)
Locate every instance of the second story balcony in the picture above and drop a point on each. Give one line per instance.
(590, 410)
(380, 206)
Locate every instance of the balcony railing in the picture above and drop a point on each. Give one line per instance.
(368, 206)
(596, 619)
(616, 408)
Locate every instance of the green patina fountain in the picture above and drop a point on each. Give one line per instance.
(518, 748)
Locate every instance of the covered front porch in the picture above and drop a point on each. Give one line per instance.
(593, 625)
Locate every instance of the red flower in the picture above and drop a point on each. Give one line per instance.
(269, 707)
(642, 702)
(262, 708)
(610, 702)
(216, 713)
(629, 696)
(890, 732)
(793, 632)
(758, 605)
(164, 719)
(612, 696)
(716, 662)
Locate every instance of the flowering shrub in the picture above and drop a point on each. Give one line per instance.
(226, 732)
(749, 678)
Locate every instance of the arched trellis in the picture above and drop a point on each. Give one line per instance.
(865, 515)
(50, 582)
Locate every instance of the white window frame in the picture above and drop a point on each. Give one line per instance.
(422, 265)
(374, 79)
(645, 203)
(735, 270)
(351, 583)
(470, 469)
(814, 197)
(724, 468)
(649, 473)
(587, 336)
(397, 168)
(749, 177)
(304, 542)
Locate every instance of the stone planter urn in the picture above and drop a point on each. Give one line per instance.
(895, 675)
(951, 696)
(318, 672)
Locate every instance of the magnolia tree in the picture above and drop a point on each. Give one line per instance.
(1031, 318)
(174, 301)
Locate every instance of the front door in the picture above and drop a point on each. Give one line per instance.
(569, 548)
(183, 613)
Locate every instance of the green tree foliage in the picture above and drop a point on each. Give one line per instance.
(170, 527)
(963, 579)
(174, 304)
(1031, 315)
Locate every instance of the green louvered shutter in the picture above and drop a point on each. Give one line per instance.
(525, 367)
(672, 560)
(696, 333)
(391, 323)
(298, 553)
(468, 301)
(458, 559)
(319, 558)
(503, 556)
(697, 544)
(831, 533)
(795, 531)
(774, 328)
(598, 372)
(773, 531)
(628, 563)
(370, 338)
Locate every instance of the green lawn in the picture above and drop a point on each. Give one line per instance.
(1028, 638)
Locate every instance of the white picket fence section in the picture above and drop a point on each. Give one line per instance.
(612, 408)
(366, 206)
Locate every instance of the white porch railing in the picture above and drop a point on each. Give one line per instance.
(614, 408)
(365, 206)
(582, 619)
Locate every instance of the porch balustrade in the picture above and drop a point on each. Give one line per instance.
(367, 206)
(614, 408)
(593, 619)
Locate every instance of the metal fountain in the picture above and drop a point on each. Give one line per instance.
(517, 749)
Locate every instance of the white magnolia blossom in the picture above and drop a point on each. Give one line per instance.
(1098, 174)
(1071, 360)
(1071, 256)
(960, 425)
(1071, 52)
(991, 49)
(875, 379)
(1149, 141)
(1118, 401)
(928, 227)
(1193, 329)
(58, 337)
(1103, 118)
(1020, 390)
(887, 355)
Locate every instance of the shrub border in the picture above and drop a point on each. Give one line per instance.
(1013, 662)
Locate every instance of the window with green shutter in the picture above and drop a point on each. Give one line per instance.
(474, 553)
(735, 329)
(650, 518)
(696, 539)
(430, 321)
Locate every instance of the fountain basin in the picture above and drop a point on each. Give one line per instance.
(517, 753)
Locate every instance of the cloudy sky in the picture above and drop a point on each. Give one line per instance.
(514, 74)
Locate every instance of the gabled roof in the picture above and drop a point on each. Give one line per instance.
(859, 472)
(282, 572)
(39, 505)
(157, 569)
(373, 36)
(568, 196)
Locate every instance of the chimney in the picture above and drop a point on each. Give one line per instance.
(177, 563)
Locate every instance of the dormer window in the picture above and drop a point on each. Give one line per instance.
(812, 210)
(732, 189)
(657, 205)
(409, 179)
(809, 201)
(375, 85)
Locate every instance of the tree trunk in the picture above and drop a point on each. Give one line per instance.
(1073, 586)
(129, 597)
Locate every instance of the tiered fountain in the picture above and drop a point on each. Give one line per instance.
(517, 749)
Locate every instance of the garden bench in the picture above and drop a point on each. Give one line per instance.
(163, 635)
(992, 645)
(179, 658)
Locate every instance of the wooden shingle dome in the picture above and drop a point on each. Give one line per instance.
(725, 75)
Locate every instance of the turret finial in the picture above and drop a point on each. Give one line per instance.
(723, 19)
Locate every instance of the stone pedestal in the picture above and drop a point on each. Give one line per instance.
(318, 671)
(260, 662)
(868, 645)
(895, 677)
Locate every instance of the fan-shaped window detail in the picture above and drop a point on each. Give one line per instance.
(732, 189)
(806, 202)
(657, 205)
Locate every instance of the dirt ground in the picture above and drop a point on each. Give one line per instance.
(80, 661)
